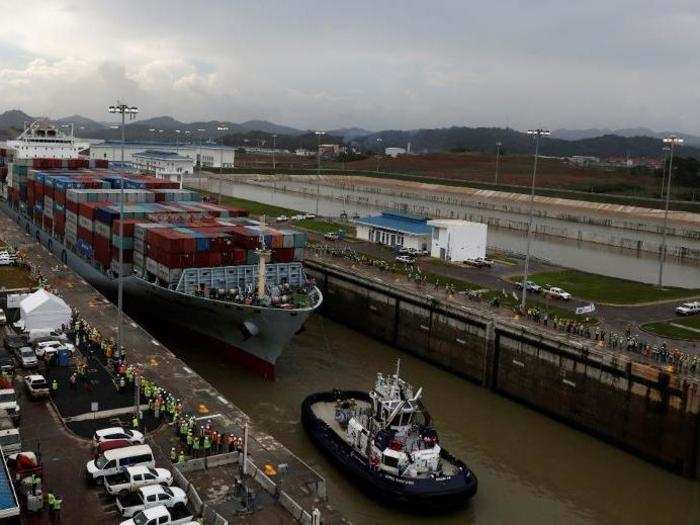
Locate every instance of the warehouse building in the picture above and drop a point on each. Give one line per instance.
(163, 164)
(394, 229)
(457, 241)
(202, 155)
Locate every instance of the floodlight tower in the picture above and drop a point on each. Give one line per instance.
(123, 110)
(671, 142)
(538, 133)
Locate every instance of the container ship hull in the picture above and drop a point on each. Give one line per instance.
(222, 326)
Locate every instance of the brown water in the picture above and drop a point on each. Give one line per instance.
(531, 470)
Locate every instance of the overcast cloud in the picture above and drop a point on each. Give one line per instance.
(390, 64)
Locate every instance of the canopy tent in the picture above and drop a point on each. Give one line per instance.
(44, 311)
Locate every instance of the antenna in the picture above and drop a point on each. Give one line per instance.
(398, 368)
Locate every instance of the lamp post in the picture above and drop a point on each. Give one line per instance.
(123, 110)
(498, 158)
(379, 149)
(177, 140)
(221, 129)
(672, 142)
(665, 149)
(539, 132)
(318, 166)
(274, 146)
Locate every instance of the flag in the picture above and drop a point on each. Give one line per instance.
(587, 309)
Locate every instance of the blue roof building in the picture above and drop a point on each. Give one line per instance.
(395, 229)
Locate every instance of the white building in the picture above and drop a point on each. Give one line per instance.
(202, 155)
(393, 229)
(163, 164)
(457, 241)
(394, 152)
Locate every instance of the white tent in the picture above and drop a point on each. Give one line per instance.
(44, 311)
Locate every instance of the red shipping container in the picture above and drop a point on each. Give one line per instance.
(72, 207)
(48, 223)
(101, 249)
(282, 255)
(85, 234)
(129, 225)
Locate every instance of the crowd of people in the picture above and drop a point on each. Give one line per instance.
(196, 438)
(680, 361)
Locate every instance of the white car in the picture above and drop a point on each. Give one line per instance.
(688, 308)
(405, 259)
(282, 218)
(558, 293)
(46, 352)
(110, 434)
(308, 216)
(6, 259)
(27, 357)
(132, 478)
(36, 386)
(297, 217)
(148, 497)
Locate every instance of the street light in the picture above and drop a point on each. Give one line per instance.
(539, 132)
(274, 145)
(222, 129)
(123, 110)
(672, 142)
(665, 149)
(318, 166)
(379, 148)
(498, 158)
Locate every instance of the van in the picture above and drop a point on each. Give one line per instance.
(10, 439)
(114, 461)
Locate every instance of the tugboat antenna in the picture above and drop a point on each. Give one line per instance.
(398, 368)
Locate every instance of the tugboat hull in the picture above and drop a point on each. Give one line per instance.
(431, 495)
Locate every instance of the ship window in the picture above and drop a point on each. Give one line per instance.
(391, 461)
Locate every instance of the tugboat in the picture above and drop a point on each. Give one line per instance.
(385, 441)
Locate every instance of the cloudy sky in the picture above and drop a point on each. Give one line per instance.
(387, 64)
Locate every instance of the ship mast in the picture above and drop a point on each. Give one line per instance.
(263, 255)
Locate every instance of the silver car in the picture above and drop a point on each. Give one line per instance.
(27, 357)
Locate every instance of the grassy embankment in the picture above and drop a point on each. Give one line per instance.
(675, 329)
(604, 289)
(14, 277)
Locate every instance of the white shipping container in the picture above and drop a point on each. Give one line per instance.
(71, 237)
(71, 217)
(86, 223)
(138, 259)
(102, 229)
(151, 266)
(71, 228)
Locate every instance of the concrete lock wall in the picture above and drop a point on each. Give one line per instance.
(634, 406)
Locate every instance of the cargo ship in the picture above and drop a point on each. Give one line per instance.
(384, 439)
(235, 282)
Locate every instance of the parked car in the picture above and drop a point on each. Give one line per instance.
(531, 286)
(282, 218)
(10, 438)
(688, 308)
(150, 496)
(6, 259)
(37, 386)
(135, 477)
(8, 403)
(108, 434)
(27, 357)
(558, 293)
(114, 461)
(162, 515)
(112, 444)
(405, 259)
(331, 236)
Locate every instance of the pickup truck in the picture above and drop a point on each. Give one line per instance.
(161, 515)
(150, 496)
(135, 477)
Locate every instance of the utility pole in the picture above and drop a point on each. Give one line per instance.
(539, 132)
(498, 158)
(672, 142)
(123, 110)
(274, 146)
(318, 167)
